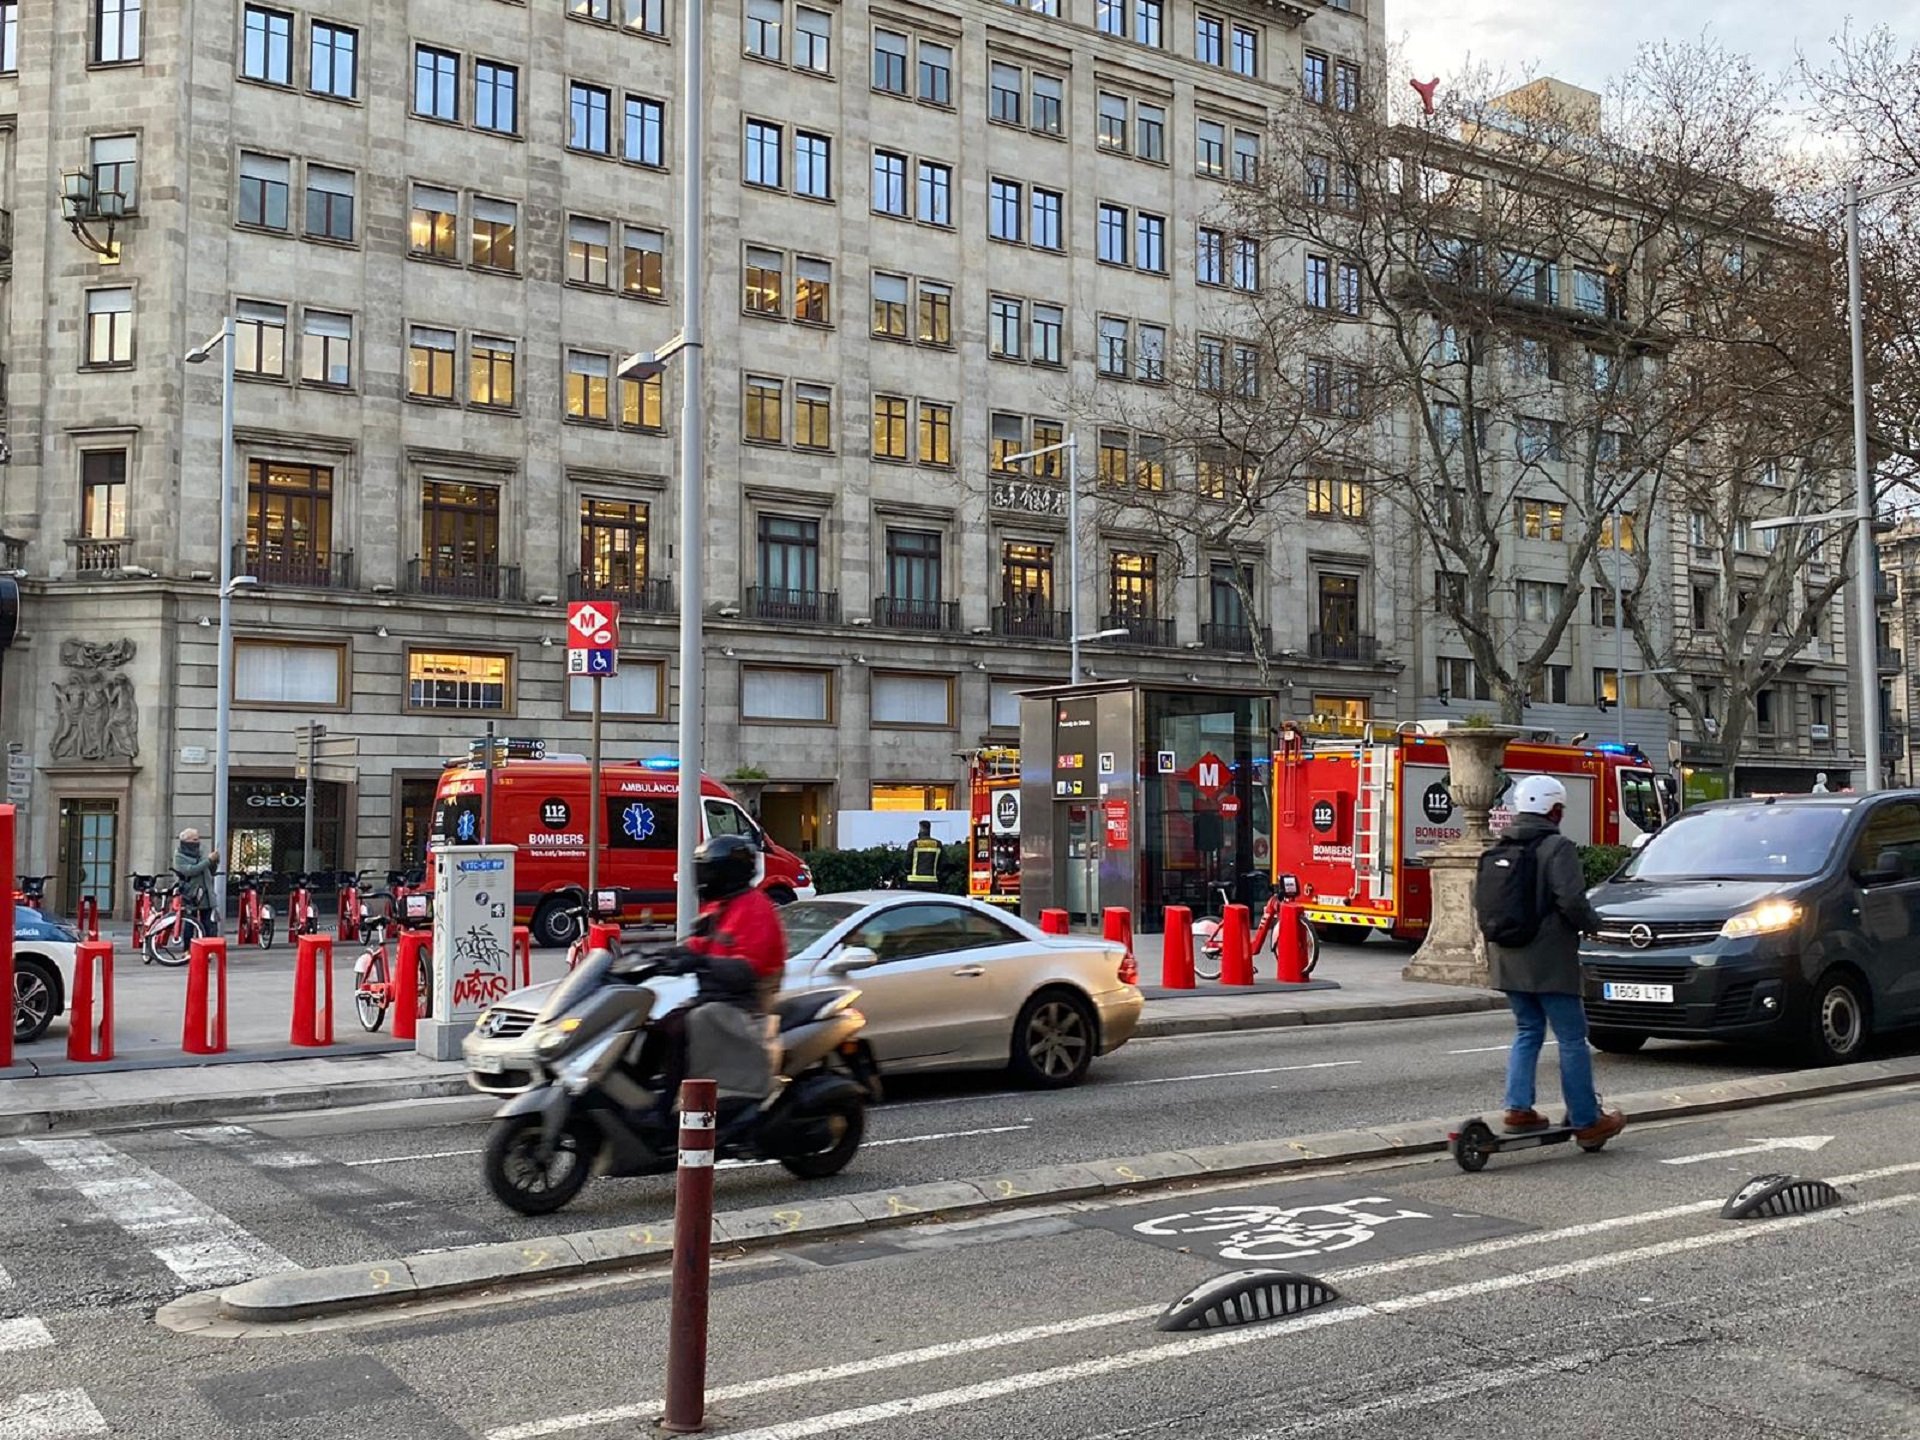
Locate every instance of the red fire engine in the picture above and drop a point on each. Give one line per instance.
(1355, 818)
(993, 837)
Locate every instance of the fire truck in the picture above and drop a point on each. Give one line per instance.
(1355, 818)
(993, 836)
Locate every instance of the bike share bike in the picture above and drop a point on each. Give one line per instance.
(1209, 933)
(403, 909)
(253, 915)
(167, 935)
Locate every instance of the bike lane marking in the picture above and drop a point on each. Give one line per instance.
(50, 1415)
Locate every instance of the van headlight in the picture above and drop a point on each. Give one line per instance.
(1769, 917)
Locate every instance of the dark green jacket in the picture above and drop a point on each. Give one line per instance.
(195, 869)
(1550, 963)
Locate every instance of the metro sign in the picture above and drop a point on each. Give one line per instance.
(592, 625)
(1208, 774)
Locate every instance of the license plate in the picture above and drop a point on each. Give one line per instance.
(486, 1064)
(1655, 994)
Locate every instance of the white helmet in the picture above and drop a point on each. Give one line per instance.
(1538, 794)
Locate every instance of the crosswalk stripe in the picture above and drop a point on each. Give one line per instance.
(188, 1236)
(50, 1415)
(25, 1333)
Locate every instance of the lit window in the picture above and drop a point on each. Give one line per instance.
(110, 326)
(587, 376)
(430, 363)
(490, 372)
(433, 228)
(496, 225)
(260, 340)
(438, 680)
(643, 271)
(326, 348)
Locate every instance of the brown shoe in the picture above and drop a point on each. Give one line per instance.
(1610, 1124)
(1521, 1122)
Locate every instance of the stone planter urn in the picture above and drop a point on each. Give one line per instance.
(1454, 953)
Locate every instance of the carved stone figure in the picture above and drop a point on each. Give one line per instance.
(95, 716)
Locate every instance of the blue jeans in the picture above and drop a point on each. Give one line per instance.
(1531, 1016)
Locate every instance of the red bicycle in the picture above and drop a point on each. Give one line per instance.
(302, 919)
(142, 902)
(1208, 936)
(168, 936)
(347, 910)
(373, 989)
(253, 916)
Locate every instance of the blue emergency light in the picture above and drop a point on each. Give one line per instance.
(661, 762)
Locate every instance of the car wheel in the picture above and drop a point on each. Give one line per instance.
(1840, 1020)
(1053, 1040)
(35, 984)
(1617, 1042)
(553, 924)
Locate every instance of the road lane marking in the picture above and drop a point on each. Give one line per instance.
(196, 1242)
(731, 1164)
(50, 1415)
(1489, 1049)
(931, 1354)
(1758, 1147)
(26, 1333)
(1234, 1074)
(1132, 1360)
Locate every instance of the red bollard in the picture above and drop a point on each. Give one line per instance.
(6, 938)
(692, 1262)
(88, 920)
(416, 949)
(1236, 947)
(1054, 922)
(313, 992)
(1176, 959)
(205, 1030)
(602, 937)
(523, 954)
(1116, 924)
(1290, 945)
(86, 1038)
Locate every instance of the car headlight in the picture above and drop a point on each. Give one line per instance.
(1769, 917)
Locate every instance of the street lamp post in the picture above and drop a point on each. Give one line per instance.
(223, 670)
(1071, 445)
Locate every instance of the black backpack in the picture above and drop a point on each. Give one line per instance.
(1506, 892)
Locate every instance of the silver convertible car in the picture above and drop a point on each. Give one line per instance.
(946, 983)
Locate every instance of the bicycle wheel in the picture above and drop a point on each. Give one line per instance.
(371, 1008)
(170, 944)
(1206, 949)
(266, 932)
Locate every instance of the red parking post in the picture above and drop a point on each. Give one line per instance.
(6, 939)
(416, 950)
(205, 1029)
(1290, 945)
(88, 1038)
(523, 955)
(1176, 957)
(1236, 947)
(602, 937)
(1116, 923)
(313, 992)
(692, 1262)
(1054, 922)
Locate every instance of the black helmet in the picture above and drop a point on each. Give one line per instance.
(727, 865)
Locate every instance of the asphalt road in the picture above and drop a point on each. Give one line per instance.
(1594, 1304)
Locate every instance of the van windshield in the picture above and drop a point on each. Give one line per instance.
(1741, 842)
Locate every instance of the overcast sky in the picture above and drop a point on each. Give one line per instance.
(1585, 42)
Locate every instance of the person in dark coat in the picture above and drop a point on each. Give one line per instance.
(1542, 978)
(194, 869)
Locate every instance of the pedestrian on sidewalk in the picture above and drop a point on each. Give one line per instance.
(194, 869)
(1531, 902)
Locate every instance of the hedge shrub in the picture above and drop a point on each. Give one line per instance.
(1600, 861)
(882, 867)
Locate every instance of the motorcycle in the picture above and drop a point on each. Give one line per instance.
(593, 1113)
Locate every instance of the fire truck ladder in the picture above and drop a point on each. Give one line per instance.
(1372, 825)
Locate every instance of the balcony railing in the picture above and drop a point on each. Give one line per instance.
(934, 616)
(799, 607)
(13, 553)
(1234, 639)
(97, 557)
(283, 565)
(1889, 660)
(1141, 629)
(1322, 645)
(651, 596)
(1021, 622)
(481, 581)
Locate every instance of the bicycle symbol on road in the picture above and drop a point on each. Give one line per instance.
(1266, 1233)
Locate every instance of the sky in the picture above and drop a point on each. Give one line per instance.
(1584, 42)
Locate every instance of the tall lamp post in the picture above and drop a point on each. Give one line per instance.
(1071, 447)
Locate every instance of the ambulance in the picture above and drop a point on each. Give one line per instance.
(1355, 818)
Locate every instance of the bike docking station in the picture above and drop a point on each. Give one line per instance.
(473, 944)
(312, 991)
(90, 1037)
(413, 950)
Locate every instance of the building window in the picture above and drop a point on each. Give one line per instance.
(1210, 147)
(936, 433)
(1006, 327)
(912, 702)
(1338, 496)
(613, 544)
(1113, 121)
(1005, 206)
(1009, 438)
(763, 154)
(103, 494)
(490, 371)
(587, 376)
(110, 326)
(267, 46)
(889, 183)
(1150, 132)
(1049, 322)
(1026, 579)
(273, 673)
(589, 244)
(889, 427)
(436, 83)
(430, 363)
(890, 62)
(496, 97)
(330, 195)
(1147, 17)
(935, 192)
(890, 306)
(646, 139)
(1049, 104)
(1006, 90)
(1210, 365)
(792, 696)
(1150, 353)
(1210, 257)
(326, 348)
(290, 520)
(460, 537)
(642, 403)
(1209, 40)
(1132, 586)
(936, 313)
(764, 282)
(1246, 157)
(260, 340)
(9, 37)
(812, 165)
(433, 223)
(936, 74)
(264, 188)
(1112, 234)
(114, 160)
(1244, 55)
(908, 796)
(1115, 462)
(1459, 679)
(765, 18)
(1246, 263)
(496, 230)
(1046, 232)
(1346, 85)
(1112, 354)
(913, 574)
(442, 680)
(634, 693)
(1347, 287)
(1228, 586)
(764, 420)
(647, 17)
(1628, 532)
(1313, 77)
(1542, 520)
(812, 416)
(813, 40)
(1338, 614)
(1319, 282)
(812, 290)
(789, 557)
(1150, 243)
(333, 60)
(644, 266)
(588, 110)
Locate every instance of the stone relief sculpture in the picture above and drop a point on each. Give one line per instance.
(95, 717)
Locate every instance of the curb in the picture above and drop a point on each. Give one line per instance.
(301, 1294)
(1161, 1026)
(202, 1107)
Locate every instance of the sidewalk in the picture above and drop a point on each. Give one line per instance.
(150, 1080)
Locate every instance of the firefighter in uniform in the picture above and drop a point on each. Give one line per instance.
(923, 859)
